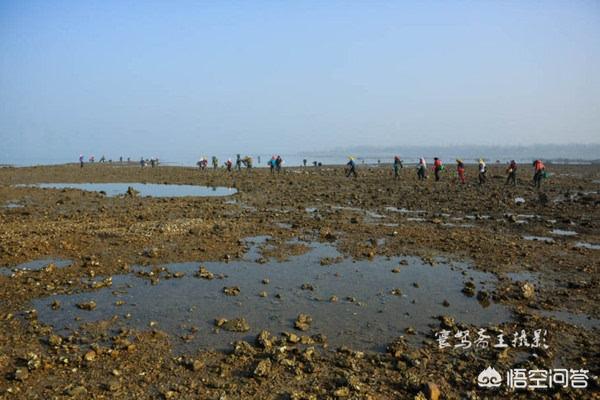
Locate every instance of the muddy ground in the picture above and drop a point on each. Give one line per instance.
(104, 236)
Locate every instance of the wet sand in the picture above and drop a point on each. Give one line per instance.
(335, 244)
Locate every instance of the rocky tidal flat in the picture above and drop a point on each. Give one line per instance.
(299, 285)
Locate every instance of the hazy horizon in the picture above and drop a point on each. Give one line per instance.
(366, 153)
(183, 79)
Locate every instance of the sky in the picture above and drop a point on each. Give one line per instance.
(180, 79)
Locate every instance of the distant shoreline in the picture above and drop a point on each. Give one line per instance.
(370, 163)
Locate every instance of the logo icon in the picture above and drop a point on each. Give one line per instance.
(489, 378)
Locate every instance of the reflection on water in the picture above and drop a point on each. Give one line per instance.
(362, 304)
(590, 246)
(144, 189)
(35, 265)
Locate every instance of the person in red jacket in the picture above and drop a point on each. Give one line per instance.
(539, 170)
(437, 168)
(460, 169)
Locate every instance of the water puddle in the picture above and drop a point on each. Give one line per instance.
(582, 320)
(590, 246)
(403, 210)
(527, 216)
(144, 189)
(561, 232)
(362, 304)
(345, 208)
(539, 238)
(373, 215)
(477, 217)
(36, 265)
(12, 204)
(524, 276)
(453, 225)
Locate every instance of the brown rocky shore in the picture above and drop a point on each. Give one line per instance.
(537, 250)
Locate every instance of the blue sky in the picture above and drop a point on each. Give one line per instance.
(180, 79)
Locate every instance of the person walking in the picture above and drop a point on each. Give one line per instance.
(397, 166)
(351, 168)
(482, 172)
(271, 164)
(460, 169)
(539, 173)
(438, 167)
(422, 169)
(512, 173)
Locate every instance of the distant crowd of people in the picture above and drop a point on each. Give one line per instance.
(276, 162)
(143, 161)
(539, 170)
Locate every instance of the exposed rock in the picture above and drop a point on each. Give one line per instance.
(233, 325)
(20, 374)
(342, 392)
(469, 289)
(264, 340)
(446, 321)
(54, 340)
(231, 291)
(90, 305)
(303, 322)
(204, 273)
(131, 192)
(431, 391)
(263, 368)
(527, 290)
(483, 295)
(33, 361)
(76, 391)
(112, 385)
(151, 252)
(291, 337)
